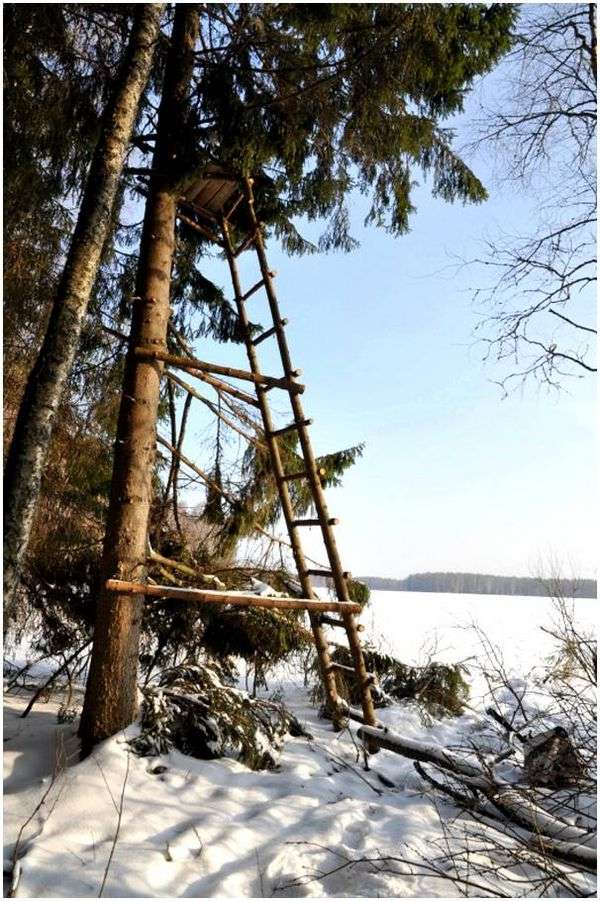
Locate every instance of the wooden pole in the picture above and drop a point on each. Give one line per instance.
(236, 598)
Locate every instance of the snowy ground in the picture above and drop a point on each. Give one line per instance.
(191, 828)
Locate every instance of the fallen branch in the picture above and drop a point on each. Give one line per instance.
(118, 829)
(52, 678)
(570, 842)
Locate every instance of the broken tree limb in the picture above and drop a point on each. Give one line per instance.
(226, 388)
(212, 407)
(178, 566)
(235, 598)
(199, 472)
(418, 750)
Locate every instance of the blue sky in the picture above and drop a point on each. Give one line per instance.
(453, 477)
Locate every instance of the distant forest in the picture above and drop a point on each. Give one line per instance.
(478, 583)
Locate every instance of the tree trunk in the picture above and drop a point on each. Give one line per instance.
(111, 693)
(46, 382)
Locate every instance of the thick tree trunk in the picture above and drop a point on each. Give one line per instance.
(111, 693)
(44, 389)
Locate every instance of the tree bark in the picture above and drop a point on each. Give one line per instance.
(46, 382)
(111, 693)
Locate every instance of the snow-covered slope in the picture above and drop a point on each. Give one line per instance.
(192, 828)
(180, 827)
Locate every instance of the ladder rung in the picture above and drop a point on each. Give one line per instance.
(271, 331)
(354, 713)
(314, 522)
(291, 427)
(291, 476)
(338, 623)
(253, 289)
(246, 243)
(341, 668)
(326, 573)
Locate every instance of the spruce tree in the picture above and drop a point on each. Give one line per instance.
(111, 693)
(315, 99)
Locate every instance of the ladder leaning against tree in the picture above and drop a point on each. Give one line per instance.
(214, 207)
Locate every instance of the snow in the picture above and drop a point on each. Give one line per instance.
(192, 828)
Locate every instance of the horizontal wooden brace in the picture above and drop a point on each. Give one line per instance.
(236, 598)
(314, 522)
(218, 385)
(271, 331)
(192, 364)
(291, 427)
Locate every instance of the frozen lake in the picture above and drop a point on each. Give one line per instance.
(414, 625)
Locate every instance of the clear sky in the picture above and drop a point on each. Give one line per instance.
(453, 477)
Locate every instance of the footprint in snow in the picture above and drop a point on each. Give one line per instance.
(184, 846)
(355, 835)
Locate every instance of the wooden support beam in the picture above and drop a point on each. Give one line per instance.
(213, 408)
(226, 388)
(191, 364)
(236, 598)
(233, 207)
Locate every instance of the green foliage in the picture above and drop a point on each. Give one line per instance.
(194, 709)
(359, 592)
(269, 634)
(441, 689)
(257, 501)
(326, 97)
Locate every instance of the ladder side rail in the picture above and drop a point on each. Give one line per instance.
(328, 676)
(311, 467)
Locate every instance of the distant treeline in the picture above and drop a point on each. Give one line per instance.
(478, 583)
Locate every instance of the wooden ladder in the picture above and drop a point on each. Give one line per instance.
(308, 472)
